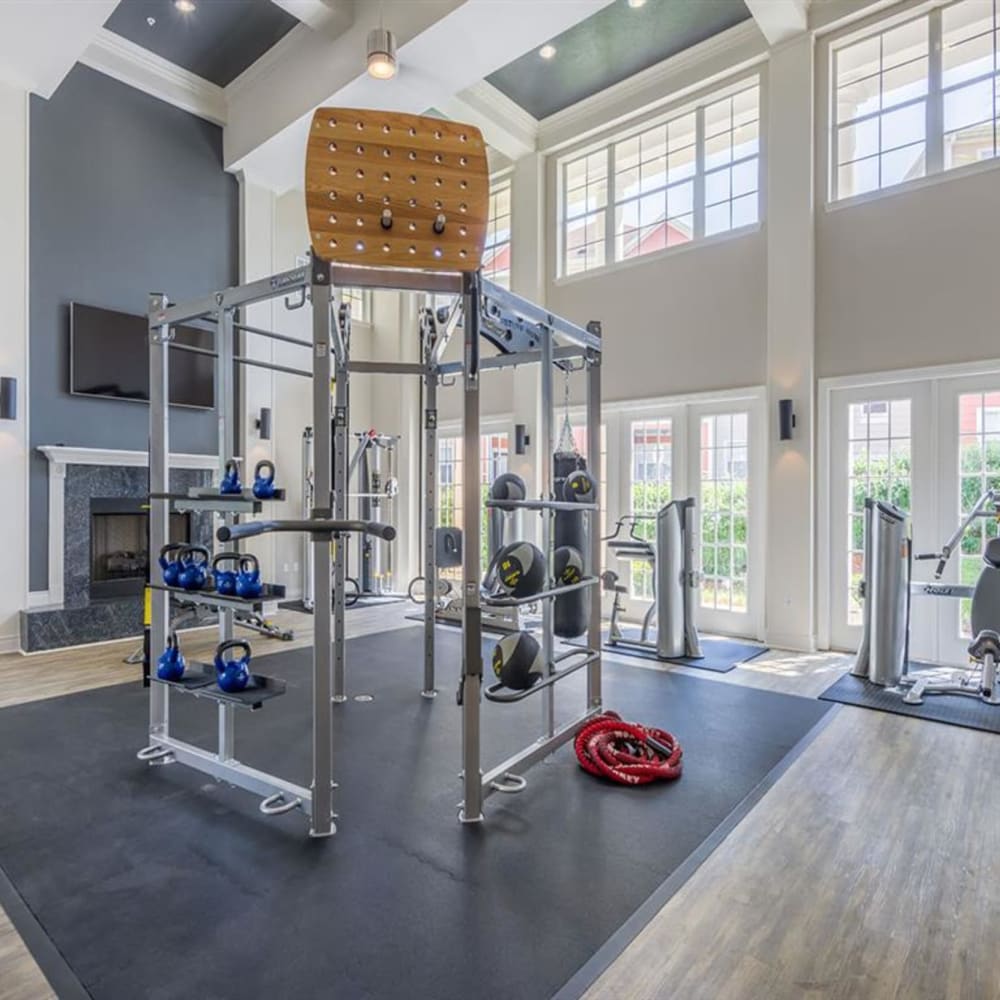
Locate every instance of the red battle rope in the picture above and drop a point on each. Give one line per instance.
(627, 752)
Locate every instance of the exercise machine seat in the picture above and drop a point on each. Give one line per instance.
(991, 554)
(986, 595)
(985, 642)
(633, 550)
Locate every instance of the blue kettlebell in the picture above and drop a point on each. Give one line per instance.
(248, 583)
(264, 487)
(232, 675)
(194, 567)
(225, 579)
(171, 567)
(231, 479)
(170, 666)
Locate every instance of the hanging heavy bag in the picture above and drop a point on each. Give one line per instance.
(573, 484)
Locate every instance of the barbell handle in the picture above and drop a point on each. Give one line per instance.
(313, 526)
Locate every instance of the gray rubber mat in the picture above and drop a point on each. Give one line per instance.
(720, 655)
(951, 709)
(158, 882)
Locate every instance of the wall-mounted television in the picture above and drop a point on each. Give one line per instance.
(109, 357)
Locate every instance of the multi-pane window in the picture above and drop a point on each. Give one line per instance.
(652, 483)
(915, 99)
(979, 470)
(692, 175)
(496, 254)
(724, 462)
(493, 452)
(360, 302)
(878, 444)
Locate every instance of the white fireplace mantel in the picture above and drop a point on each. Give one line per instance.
(59, 456)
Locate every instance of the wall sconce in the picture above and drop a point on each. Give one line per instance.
(786, 419)
(521, 439)
(8, 398)
(263, 424)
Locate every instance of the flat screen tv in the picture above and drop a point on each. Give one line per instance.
(109, 357)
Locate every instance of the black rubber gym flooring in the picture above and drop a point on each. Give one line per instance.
(951, 709)
(160, 883)
(720, 655)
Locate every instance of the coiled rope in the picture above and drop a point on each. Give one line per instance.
(627, 752)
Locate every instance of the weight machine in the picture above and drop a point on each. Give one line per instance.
(378, 485)
(670, 556)
(888, 589)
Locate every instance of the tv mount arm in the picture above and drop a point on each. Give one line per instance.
(981, 508)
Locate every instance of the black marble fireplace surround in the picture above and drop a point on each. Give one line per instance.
(82, 619)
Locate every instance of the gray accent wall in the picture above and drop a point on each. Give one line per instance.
(127, 196)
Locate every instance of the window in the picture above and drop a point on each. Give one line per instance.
(496, 254)
(915, 99)
(724, 511)
(979, 470)
(652, 484)
(691, 175)
(360, 302)
(879, 466)
(493, 451)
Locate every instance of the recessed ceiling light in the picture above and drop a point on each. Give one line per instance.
(636, 4)
(151, 21)
(547, 51)
(186, 6)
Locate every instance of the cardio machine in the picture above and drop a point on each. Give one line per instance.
(888, 590)
(670, 555)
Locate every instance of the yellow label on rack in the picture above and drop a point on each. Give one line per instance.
(147, 607)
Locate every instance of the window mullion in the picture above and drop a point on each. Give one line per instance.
(609, 208)
(699, 173)
(935, 97)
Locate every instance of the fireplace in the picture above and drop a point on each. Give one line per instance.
(119, 546)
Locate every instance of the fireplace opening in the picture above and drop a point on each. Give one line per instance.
(119, 545)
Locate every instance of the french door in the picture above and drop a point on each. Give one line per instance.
(931, 446)
(709, 450)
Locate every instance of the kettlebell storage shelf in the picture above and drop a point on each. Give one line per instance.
(246, 495)
(200, 680)
(223, 602)
(544, 595)
(215, 503)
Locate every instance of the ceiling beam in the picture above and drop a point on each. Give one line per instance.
(780, 20)
(332, 17)
(444, 48)
(506, 126)
(41, 40)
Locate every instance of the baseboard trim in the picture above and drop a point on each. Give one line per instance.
(10, 643)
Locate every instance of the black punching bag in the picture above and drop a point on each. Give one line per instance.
(572, 482)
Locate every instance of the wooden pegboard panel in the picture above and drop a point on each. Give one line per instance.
(424, 171)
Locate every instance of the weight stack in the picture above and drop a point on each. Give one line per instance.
(571, 612)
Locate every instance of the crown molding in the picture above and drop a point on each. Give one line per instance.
(129, 63)
(728, 52)
(505, 125)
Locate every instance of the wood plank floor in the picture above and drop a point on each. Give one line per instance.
(868, 870)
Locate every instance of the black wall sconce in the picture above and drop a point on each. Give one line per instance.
(8, 398)
(786, 419)
(264, 423)
(521, 439)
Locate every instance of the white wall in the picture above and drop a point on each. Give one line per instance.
(909, 279)
(14, 356)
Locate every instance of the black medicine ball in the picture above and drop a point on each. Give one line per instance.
(580, 487)
(517, 661)
(567, 565)
(520, 569)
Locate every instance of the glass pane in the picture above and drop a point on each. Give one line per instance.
(745, 177)
(903, 44)
(681, 132)
(858, 177)
(859, 99)
(967, 60)
(653, 173)
(746, 106)
(902, 165)
(576, 173)
(899, 418)
(746, 141)
(680, 230)
(717, 219)
(653, 143)
(681, 165)
(968, 105)
(904, 83)
(627, 183)
(718, 117)
(857, 141)
(904, 126)
(960, 21)
(718, 150)
(627, 154)
(717, 187)
(680, 200)
(745, 211)
(652, 208)
(857, 61)
(969, 145)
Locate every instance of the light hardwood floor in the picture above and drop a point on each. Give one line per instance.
(868, 871)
